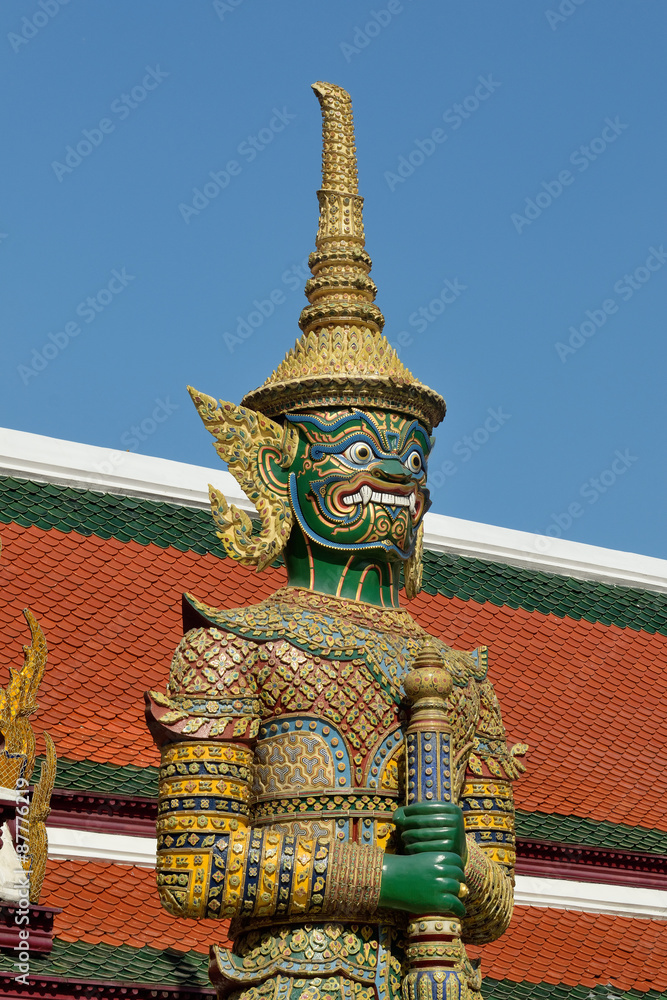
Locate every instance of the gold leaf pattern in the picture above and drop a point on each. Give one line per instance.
(239, 435)
(17, 757)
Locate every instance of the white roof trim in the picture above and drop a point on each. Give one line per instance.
(592, 897)
(33, 456)
(66, 843)
(562, 894)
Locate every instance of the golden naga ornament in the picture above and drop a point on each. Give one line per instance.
(17, 759)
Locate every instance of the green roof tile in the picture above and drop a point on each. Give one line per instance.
(89, 776)
(119, 963)
(472, 579)
(108, 515)
(493, 989)
(169, 968)
(590, 833)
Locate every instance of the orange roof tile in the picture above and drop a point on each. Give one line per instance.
(105, 903)
(570, 690)
(111, 635)
(582, 695)
(118, 904)
(573, 948)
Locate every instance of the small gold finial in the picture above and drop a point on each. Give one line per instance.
(18, 701)
(428, 681)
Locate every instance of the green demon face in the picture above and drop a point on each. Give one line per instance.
(358, 480)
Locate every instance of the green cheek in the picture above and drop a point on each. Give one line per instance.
(353, 528)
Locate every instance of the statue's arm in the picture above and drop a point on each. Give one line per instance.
(211, 862)
(488, 813)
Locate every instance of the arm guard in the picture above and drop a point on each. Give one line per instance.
(210, 862)
(488, 811)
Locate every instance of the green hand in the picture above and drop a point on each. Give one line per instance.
(422, 883)
(429, 878)
(432, 826)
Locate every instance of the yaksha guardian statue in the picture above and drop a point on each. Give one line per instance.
(356, 840)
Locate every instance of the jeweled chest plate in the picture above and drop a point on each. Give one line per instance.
(329, 751)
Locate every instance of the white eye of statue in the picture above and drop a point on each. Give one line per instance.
(414, 462)
(359, 453)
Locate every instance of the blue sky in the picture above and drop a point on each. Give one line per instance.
(512, 161)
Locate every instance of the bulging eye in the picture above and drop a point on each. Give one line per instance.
(414, 462)
(359, 453)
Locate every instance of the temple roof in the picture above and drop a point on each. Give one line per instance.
(112, 910)
(577, 662)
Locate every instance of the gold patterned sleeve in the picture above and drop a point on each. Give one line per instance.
(488, 811)
(211, 862)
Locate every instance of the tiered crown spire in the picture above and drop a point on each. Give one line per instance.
(340, 289)
(342, 359)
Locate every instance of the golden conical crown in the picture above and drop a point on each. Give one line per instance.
(342, 358)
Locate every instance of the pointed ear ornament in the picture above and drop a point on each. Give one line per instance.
(253, 446)
(414, 567)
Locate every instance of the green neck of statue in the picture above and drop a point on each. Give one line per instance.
(354, 576)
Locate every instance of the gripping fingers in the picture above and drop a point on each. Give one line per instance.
(438, 846)
(449, 886)
(449, 866)
(424, 813)
(436, 821)
(450, 903)
(414, 837)
(436, 824)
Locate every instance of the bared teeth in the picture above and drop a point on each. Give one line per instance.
(366, 495)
